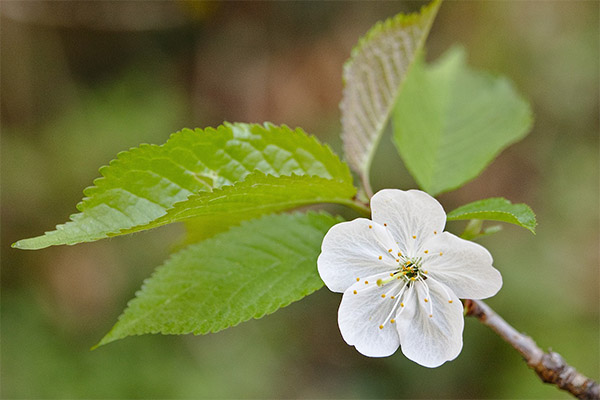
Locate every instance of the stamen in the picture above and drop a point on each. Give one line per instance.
(435, 232)
(379, 282)
(370, 226)
(380, 257)
(392, 321)
(355, 292)
(443, 288)
(380, 326)
(383, 296)
(414, 237)
(441, 253)
(384, 224)
(426, 251)
(399, 295)
(390, 250)
(399, 254)
(428, 296)
(366, 282)
(357, 279)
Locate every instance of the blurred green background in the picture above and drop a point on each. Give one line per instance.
(81, 81)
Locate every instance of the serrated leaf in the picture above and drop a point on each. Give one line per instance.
(373, 77)
(142, 184)
(496, 209)
(247, 272)
(450, 121)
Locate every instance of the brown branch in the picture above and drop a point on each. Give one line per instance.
(550, 366)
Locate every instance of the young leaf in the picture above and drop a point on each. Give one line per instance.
(373, 77)
(247, 272)
(450, 122)
(142, 184)
(496, 209)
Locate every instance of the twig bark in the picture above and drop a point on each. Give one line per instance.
(549, 366)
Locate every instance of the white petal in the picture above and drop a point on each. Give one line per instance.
(411, 216)
(361, 315)
(351, 250)
(431, 341)
(464, 266)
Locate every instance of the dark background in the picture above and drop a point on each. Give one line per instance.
(81, 81)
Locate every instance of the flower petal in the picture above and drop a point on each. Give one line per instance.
(362, 313)
(411, 216)
(351, 250)
(464, 266)
(431, 341)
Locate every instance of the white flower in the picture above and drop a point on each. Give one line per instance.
(402, 278)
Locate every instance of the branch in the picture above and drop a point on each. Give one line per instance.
(550, 366)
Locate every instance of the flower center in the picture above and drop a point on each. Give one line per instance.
(410, 269)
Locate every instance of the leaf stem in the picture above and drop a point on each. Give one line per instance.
(549, 366)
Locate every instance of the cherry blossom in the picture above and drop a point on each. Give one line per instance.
(402, 276)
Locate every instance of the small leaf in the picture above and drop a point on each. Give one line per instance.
(450, 122)
(142, 184)
(496, 209)
(247, 272)
(373, 76)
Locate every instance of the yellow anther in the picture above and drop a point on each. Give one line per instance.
(383, 295)
(357, 279)
(425, 271)
(391, 274)
(399, 254)
(450, 301)
(430, 315)
(401, 304)
(413, 279)
(392, 297)
(379, 282)
(355, 292)
(435, 232)
(370, 226)
(390, 250)
(414, 237)
(366, 282)
(441, 253)
(397, 260)
(426, 251)
(392, 321)
(380, 326)
(384, 224)
(425, 300)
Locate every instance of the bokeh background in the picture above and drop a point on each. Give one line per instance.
(81, 81)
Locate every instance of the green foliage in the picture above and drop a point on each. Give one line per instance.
(496, 209)
(373, 77)
(450, 122)
(139, 188)
(247, 272)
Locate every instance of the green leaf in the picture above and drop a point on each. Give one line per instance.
(373, 77)
(496, 209)
(247, 272)
(450, 122)
(143, 184)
